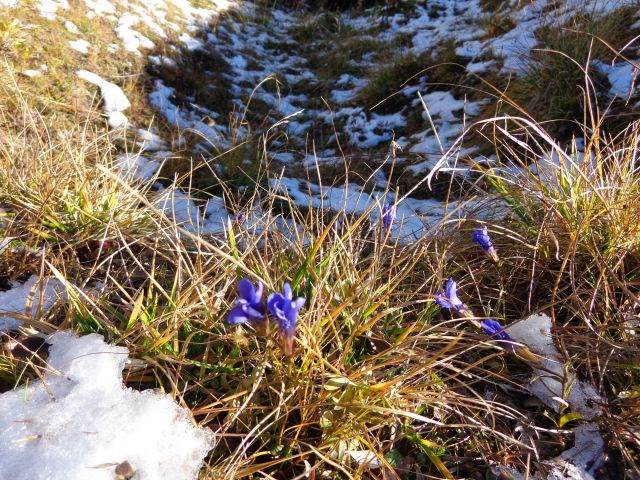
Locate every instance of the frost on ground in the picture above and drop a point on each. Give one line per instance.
(79, 422)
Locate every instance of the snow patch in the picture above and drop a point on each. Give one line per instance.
(552, 383)
(32, 73)
(132, 165)
(27, 300)
(149, 141)
(48, 8)
(98, 7)
(80, 45)
(132, 39)
(621, 77)
(71, 27)
(79, 422)
(115, 101)
(581, 461)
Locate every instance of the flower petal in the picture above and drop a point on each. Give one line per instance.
(495, 330)
(252, 312)
(442, 300)
(288, 293)
(257, 297)
(298, 303)
(237, 316)
(275, 303)
(452, 290)
(482, 238)
(246, 290)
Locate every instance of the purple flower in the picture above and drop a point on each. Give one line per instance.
(249, 307)
(285, 309)
(495, 330)
(450, 299)
(482, 238)
(388, 215)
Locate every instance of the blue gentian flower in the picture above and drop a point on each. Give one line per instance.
(388, 215)
(450, 299)
(482, 238)
(285, 309)
(249, 307)
(495, 330)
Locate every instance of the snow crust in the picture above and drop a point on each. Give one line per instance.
(414, 217)
(135, 165)
(580, 462)
(79, 422)
(71, 27)
(583, 459)
(180, 206)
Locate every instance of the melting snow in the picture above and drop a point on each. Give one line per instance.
(135, 165)
(556, 386)
(115, 101)
(71, 27)
(132, 39)
(98, 7)
(80, 45)
(581, 461)
(552, 383)
(621, 76)
(32, 73)
(414, 217)
(27, 300)
(79, 422)
(48, 8)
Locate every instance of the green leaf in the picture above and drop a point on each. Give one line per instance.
(569, 417)
(232, 240)
(428, 447)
